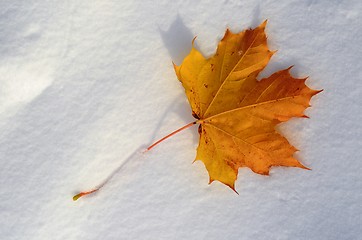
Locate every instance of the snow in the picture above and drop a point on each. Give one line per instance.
(86, 85)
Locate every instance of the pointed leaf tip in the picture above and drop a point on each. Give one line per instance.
(317, 91)
(210, 180)
(263, 24)
(193, 41)
(304, 167)
(290, 67)
(233, 188)
(227, 33)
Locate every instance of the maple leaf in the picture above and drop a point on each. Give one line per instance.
(236, 112)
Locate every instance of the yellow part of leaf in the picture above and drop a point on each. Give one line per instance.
(237, 113)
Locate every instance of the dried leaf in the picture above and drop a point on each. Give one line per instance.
(237, 113)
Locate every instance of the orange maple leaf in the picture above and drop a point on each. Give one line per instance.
(236, 112)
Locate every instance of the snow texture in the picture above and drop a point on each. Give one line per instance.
(86, 85)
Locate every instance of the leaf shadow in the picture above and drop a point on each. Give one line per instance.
(278, 63)
(138, 152)
(256, 20)
(177, 39)
(181, 109)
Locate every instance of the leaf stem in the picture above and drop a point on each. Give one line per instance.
(81, 194)
(171, 134)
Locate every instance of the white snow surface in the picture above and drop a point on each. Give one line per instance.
(87, 85)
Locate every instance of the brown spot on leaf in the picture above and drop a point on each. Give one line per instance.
(212, 67)
(195, 115)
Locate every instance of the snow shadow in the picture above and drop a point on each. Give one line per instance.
(177, 40)
(137, 153)
(257, 19)
(177, 107)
